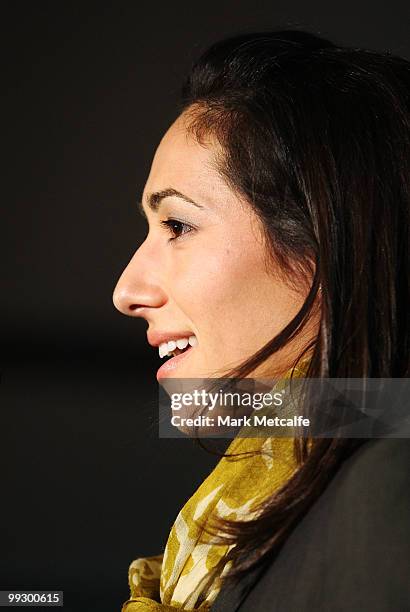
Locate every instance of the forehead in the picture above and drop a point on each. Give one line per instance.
(184, 164)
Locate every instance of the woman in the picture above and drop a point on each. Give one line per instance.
(278, 245)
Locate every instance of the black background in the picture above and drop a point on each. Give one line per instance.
(89, 90)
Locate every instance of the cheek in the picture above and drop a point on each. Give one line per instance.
(228, 296)
(204, 284)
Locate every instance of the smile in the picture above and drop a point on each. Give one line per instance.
(172, 348)
(177, 345)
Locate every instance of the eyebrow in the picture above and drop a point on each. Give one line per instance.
(154, 199)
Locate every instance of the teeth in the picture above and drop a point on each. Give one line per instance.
(163, 349)
(167, 348)
(182, 343)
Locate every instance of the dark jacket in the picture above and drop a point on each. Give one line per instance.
(350, 552)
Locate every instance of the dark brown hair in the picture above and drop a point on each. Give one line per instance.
(316, 137)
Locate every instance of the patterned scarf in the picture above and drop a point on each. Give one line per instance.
(182, 578)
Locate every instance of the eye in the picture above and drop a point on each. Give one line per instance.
(176, 228)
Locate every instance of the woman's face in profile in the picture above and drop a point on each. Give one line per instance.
(201, 273)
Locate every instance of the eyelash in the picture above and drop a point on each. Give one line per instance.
(170, 222)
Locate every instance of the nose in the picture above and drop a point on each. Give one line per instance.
(138, 291)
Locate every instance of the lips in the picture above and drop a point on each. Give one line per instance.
(167, 343)
(173, 363)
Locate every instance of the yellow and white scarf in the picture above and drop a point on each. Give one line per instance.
(182, 577)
